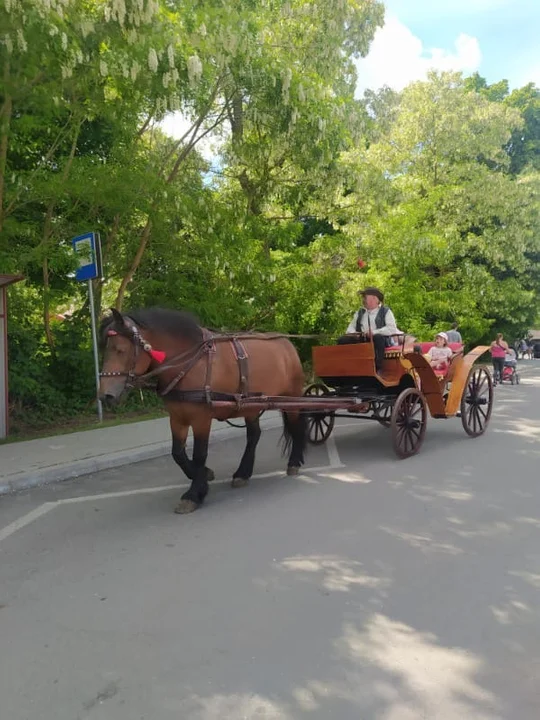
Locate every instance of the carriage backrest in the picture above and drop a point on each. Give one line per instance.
(454, 347)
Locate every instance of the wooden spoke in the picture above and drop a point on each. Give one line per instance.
(477, 401)
(408, 422)
(382, 411)
(319, 424)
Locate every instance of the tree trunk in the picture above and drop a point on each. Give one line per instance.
(5, 122)
(128, 277)
(47, 234)
(47, 305)
(192, 139)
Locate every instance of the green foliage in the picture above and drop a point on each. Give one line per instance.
(436, 188)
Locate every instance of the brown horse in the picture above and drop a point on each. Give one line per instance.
(194, 367)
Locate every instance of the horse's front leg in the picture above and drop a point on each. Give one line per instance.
(179, 436)
(245, 469)
(198, 489)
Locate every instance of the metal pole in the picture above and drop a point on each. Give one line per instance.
(94, 343)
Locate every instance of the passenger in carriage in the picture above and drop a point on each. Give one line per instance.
(440, 354)
(375, 320)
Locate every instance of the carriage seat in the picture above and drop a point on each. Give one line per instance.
(426, 347)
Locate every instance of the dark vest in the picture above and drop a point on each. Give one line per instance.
(380, 319)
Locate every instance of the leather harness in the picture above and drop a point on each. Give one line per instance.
(187, 360)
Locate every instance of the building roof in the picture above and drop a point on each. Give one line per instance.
(6, 280)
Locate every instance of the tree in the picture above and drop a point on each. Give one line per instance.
(453, 236)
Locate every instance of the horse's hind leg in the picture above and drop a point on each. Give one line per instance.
(245, 469)
(295, 437)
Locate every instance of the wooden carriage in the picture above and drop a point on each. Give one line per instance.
(400, 395)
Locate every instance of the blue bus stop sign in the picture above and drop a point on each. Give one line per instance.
(87, 248)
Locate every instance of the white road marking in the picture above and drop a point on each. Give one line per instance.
(42, 510)
(164, 488)
(333, 455)
(26, 520)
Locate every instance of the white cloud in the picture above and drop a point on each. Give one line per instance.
(397, 57)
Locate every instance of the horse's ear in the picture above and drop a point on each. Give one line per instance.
(117, 317)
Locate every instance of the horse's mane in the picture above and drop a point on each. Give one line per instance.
(174, 323)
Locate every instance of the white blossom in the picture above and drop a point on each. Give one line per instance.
(301, 93)
(119, 11)
(135, 70)
(166, 79)
(87, 27)
(286, 77)
(152, 60)
(132, 36)
(21, 42)
(170, 55)
(64, 41)
(194, 67)
(103, 69)
(202, 30)
(9, 44)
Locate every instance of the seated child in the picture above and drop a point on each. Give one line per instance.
(440, 355)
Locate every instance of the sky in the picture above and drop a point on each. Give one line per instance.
(498, 38)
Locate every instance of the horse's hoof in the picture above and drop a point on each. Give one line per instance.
(239, 482)
(210, 475)
(186, 506)
(293, 470)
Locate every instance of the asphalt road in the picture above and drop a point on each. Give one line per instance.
(366, 589)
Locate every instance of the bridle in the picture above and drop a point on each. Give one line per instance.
(187, 358)
(139, 343)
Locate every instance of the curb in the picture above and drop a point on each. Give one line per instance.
(87, 466)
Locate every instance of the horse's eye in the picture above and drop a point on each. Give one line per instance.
(120, 351)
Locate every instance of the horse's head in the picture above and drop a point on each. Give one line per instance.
(126, 356)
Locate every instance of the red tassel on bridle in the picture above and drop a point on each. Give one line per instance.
(157, 355)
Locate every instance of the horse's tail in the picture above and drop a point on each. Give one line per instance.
(294, 437)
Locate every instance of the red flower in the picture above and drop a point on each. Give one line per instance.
(361, 264)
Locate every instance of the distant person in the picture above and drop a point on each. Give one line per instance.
(499, 348)
(454, 336)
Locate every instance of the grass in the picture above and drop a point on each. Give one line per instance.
(20, 431)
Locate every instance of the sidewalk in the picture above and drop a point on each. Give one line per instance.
(62, 457)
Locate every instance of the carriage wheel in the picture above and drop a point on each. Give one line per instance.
(477, 401)
(409, 419)
(319, 424)
(382, 411)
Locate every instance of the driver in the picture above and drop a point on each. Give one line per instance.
(375, 320)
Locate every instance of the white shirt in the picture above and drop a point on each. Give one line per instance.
(440, 354)
(368, 323)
